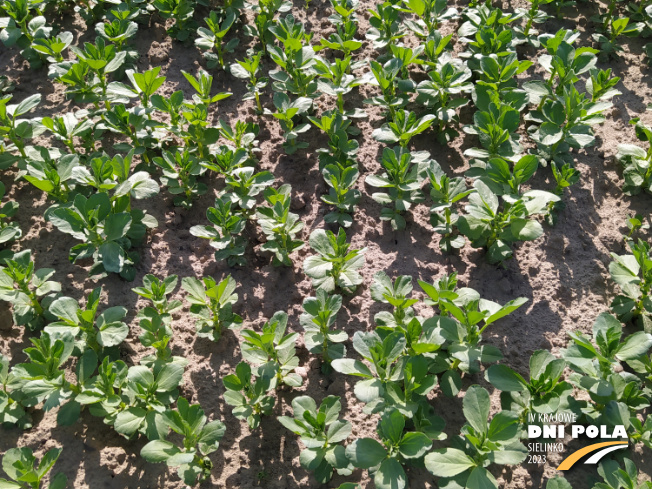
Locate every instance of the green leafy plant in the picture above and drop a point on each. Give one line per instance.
(273, 351)
(444, 93)
(341, 193)
(633, 274)
(9, 231)
(19, 465)
(210, 39)
(280, 225)
(564, 123)
(465, 316)
(430, 14)
(321, 433)
(11, 411)
(385, 355)
(386, 25)
(286, 110)
(180, 171)
(182, 12)
(28, 289)
(250, 398)
(248, 70)
(23, 29)
(598, 371)
(533, 15)
(386, 77)
(68, 126)
(496, 125)
(403, 178)
(345, 22)
(265, 11)
(146, 84)
(403, 128)
(52, 176)
(489, 225)
(616, 477)
(16, 129)
(385, 460)
(445, 193)
(636, 162)
(339, 166)
(119, 26)
(336, 81)
(157, 290)
(106, 224)
(90, 330)
(211, 304)
(225, 232)
(147, 395)
(244, 185)
(320, 314)
(481, 443)
(295, 58)
(613, 29)
(335, 265)
(545, 392)
(203, 84)
(42, 379)
(88, 79)
(200, 439)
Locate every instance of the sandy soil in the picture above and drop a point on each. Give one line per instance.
(563, 274)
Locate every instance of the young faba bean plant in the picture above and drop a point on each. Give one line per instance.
(386, 459)
(210, 38)
(320, 314)
(157, 290)
(19, 465)
(321, 433)
(616, 477)
(339, 166)
(28, 290)
(481, 443)
(11, 410)
(335, 265)
(637, 162)
(105, 221)
(225, 231)
(464, 316)
(286, 111)
(493, 226)
(614, 394)
(273, 351)
(9, 231)
(90, 330)
(180, 173)
(200, 439)
(248, 70)
(249, 394)
(545, 392)
(445, 193)
(633, 274)
(211, 304)
(403, 178)
(280, 225)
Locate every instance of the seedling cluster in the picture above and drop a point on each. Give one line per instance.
(526, 101)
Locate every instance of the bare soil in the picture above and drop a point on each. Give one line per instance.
(563, 274)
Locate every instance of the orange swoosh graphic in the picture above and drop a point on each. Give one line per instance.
(575, 456)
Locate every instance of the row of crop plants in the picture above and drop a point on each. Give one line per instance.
(183, 143)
